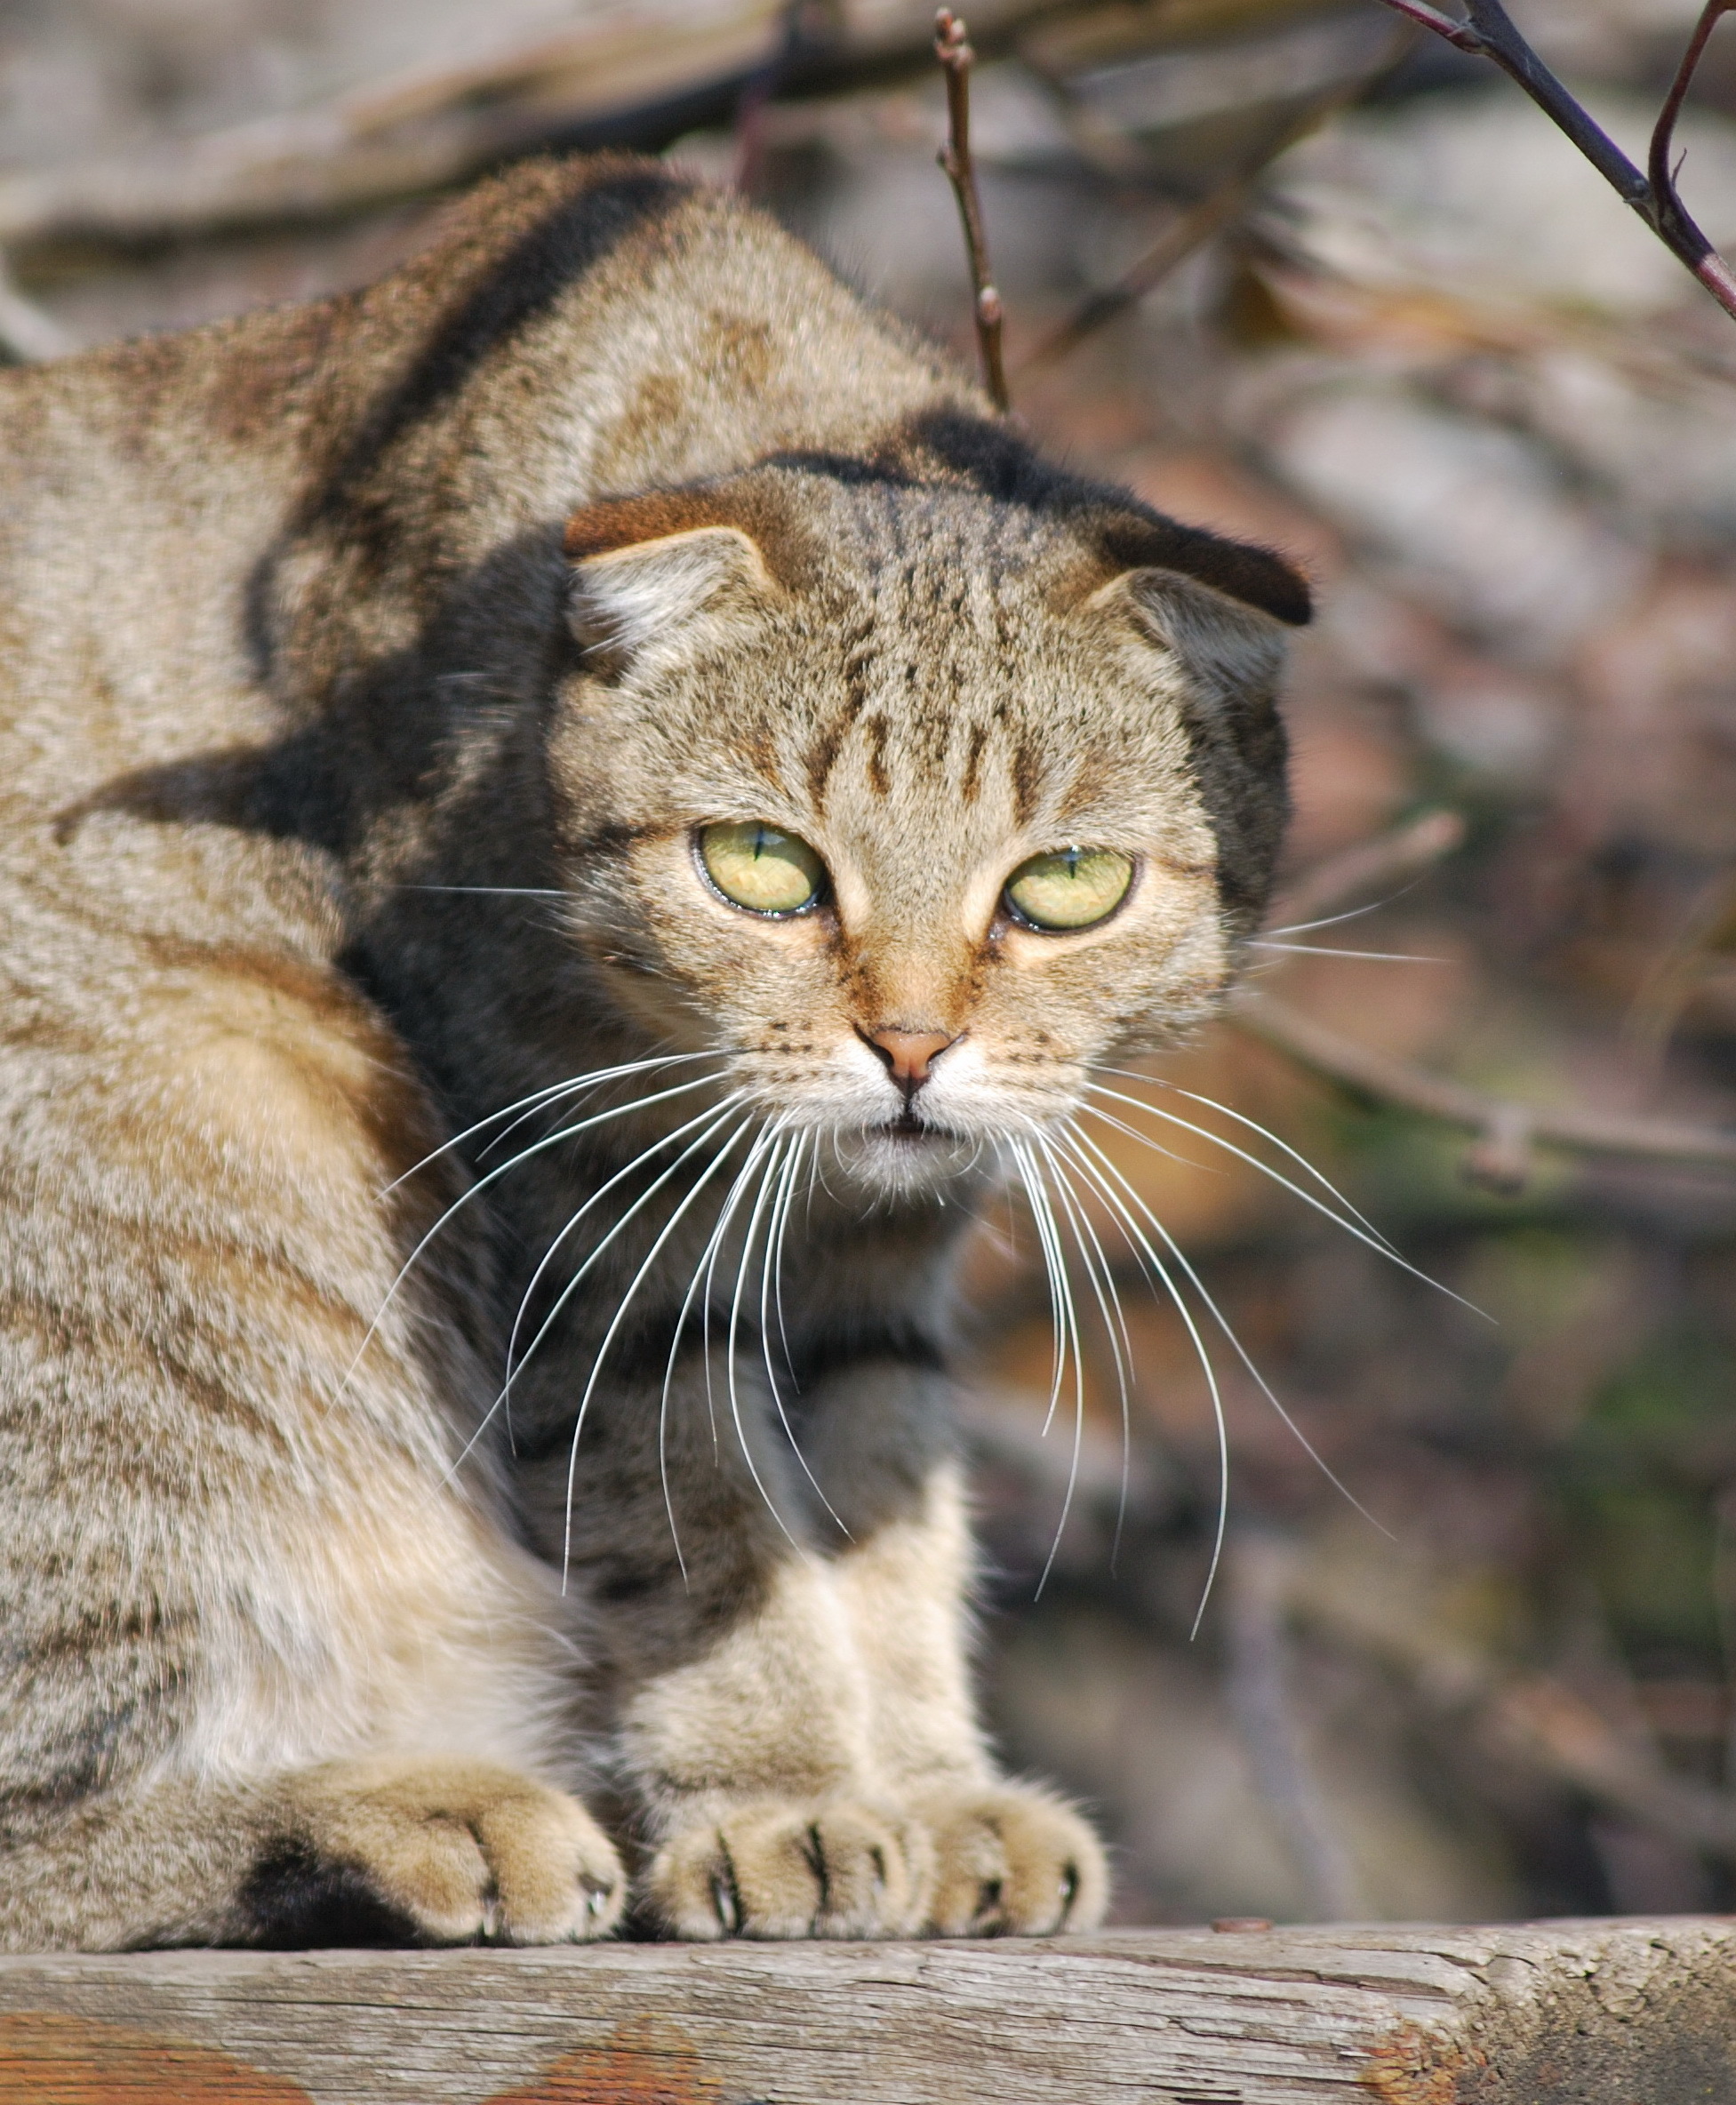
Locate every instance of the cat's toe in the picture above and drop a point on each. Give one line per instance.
(835, 1869)
(455, 1850)
(1012, 1862)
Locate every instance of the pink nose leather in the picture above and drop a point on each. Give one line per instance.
(908, 1054)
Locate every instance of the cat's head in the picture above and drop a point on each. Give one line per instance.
(917, 798)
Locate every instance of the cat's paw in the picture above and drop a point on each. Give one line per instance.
(454, 1851)
(834, 1868)
(1011, 1861)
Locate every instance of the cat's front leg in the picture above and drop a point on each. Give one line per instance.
(1010, 1858)
(754, 1764)
(818, 1769)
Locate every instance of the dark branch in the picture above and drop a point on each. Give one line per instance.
(1506, 1132)
(1488, 32)
(956, 58)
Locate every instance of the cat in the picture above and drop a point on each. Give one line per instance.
(566, 817)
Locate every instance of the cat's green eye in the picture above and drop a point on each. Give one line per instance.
(755, 866)
(1070, 888)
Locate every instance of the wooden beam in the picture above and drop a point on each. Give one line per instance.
(1634, 2013)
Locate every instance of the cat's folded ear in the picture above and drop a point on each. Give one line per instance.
(1233, 653)
(1220, 606)
(1229, 655)
(659, 575)
(1138, 540)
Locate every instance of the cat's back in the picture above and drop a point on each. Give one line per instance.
(144, 481)
(574, 328)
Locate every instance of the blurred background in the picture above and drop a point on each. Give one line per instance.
(1473, 1655)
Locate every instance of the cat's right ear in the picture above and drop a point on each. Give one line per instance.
(645, 588)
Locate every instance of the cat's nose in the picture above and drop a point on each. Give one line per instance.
(908, 1054)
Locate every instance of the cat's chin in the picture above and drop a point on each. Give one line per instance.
(905, 1156)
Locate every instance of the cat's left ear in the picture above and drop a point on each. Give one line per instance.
(1235, 652)
(1220, 607)
(655, 576)
(1231, 656)
(1254, 577)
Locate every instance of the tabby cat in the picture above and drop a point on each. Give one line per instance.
(566, 817)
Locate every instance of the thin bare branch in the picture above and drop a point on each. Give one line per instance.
(1507, 1131)
(1257, 1686)
(1537, 1718)
(1489, 32)
(1212, 214)
(1673, 223)
(1394, 857)
(956, 58)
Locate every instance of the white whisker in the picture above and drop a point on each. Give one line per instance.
(703, 1269)
(615, 1323)
(1101, 1276)
(709, 1119)
(714, 1116)
(796, 1155)
(1045, 1228)
(773, 1143)
(1136, 1237)
(482, 1184)
(1371, 957)
(771, 1286)
(1107, 1169)
(1066, 1330)
(1351, 914)
(1241, 1119)
(709, 1261)
(538, 1097)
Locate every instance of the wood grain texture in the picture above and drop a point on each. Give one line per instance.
(1636, 2012)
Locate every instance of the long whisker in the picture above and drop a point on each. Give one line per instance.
(482, 1184)
(1322, 950)
(770, 1286)
(1106, 1170)
(620, 1317)
(1101, 1276)
(494, 890)
(710, 1118)
(702, 1270)
(796, 1155)
(1376, 1242)
(554, 1091)
(1351, 914)
(1141, 1244)
(1045, 1243)
(1211, 1104)
(774, 1143)
(708, 1264)
(1066, 1325)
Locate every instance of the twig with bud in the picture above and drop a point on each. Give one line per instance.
(953, 50)
(1488, 32)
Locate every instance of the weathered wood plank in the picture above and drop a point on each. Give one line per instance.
(1632, 2013)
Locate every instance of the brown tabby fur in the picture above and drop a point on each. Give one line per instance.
(300, 1637)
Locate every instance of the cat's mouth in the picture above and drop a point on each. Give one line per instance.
(910, 1129)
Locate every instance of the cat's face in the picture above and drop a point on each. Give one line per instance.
(917, 804)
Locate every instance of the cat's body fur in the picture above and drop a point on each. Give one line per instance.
(285, 1646)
